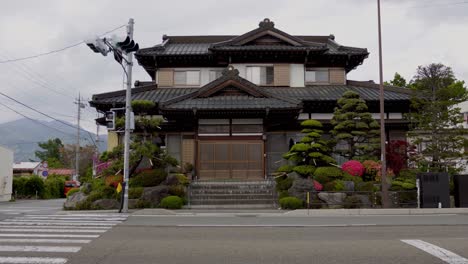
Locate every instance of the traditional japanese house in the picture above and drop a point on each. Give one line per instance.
(232, 104)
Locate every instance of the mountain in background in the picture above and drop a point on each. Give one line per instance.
(22, 136)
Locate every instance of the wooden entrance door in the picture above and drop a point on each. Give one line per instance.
(236, 159)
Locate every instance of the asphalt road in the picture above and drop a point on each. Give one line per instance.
(21, 207)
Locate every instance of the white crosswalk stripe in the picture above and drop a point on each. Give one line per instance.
(51, 236)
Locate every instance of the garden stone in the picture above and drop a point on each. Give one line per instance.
(349, 186)
(74, 199)
(106, 204)
(86, 187)
(132, 203)
(172, 180)
(333, 200)
(154, 195)
(365, 201)
(300, 187)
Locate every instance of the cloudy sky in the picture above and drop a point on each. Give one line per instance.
(415, 32)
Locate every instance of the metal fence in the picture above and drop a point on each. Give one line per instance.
(355, 199)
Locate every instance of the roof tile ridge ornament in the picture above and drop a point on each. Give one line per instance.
(230, 72)
(266, 23)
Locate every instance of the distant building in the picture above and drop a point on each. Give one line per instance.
(232, 104)
(25, 168)
(6, 174)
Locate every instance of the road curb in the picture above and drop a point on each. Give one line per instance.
(399, 211)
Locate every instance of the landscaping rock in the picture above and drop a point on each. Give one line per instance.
(349, 186)
(132, 203)
(300, 186)
(73, 199)
(365, 201)
(172, 180)
(154, 195)
(106, 204)
(333, 200)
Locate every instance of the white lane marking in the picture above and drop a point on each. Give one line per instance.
(71, 218)
(53, 224)
(32, 260)
(51, 230)
(55, 241)
(272, 225)
(49, 235)
(436, 251)
(62, 221)
(39, 249)
(84, 215)
(56, 227)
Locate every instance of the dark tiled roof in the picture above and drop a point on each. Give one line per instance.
(233, 102)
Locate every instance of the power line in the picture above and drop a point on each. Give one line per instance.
(57, 50)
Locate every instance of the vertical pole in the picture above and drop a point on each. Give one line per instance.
(128, 109)
(383, 158)
(77, 147)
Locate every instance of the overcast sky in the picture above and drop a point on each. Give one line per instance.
(415, 32)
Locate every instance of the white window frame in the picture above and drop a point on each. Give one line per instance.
(316, 70)
(187, 72)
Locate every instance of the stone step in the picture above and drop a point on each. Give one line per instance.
(231, 192)
(239, 197)
(231, 201)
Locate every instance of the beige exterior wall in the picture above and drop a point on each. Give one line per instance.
(165, 78)
(6, 174)
(337, 76)
(281, 74)
(112, 140)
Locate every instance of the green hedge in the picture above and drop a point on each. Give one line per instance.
(171, 202)
(304, 170)
(54, 186)
(290, 203)
(26, 187)
(283, 183)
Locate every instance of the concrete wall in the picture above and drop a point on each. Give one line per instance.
(6, 174)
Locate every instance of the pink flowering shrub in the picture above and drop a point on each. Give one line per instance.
(318, 186)
(353, 167)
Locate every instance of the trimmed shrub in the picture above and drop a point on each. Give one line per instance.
(54, 187)
(135, 192)
(177, 190)
(148, 178)
(283, 194)
(331, 172)
(365, 187)
(19, 184)
(304, 170)
(290, 203)
(283, 183)
(339, 186)
(349, 177)
(171, 202)
(322, 179)
(334, 186)
(353, 167)
(34, 184)
(183, 180)
(285, 168)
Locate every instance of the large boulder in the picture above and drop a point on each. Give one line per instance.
(349, 186)
(171, 180)
(154, 195)
(300, 186)
(333, 200)
(74, 199)
(106, 204)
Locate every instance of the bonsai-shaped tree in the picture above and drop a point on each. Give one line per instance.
(354, 126)
(312, 151)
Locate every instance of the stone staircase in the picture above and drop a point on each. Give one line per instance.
(232, 195)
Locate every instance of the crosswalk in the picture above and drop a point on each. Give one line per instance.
(38, 239)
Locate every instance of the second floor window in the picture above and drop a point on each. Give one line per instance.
(260, 75)
(317, 76)
(191, 78)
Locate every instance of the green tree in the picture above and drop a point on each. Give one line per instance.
(398, 80)
(436, 120)
(354, 129)
(312, 151)
(51, 152)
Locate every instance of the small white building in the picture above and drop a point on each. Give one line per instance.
(6, 174)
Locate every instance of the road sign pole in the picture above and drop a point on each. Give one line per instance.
(128, 110)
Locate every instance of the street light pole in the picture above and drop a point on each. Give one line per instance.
(383, 159)
(128, 110)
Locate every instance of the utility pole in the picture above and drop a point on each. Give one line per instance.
(383, 159)
(128, 110)
(77, 147)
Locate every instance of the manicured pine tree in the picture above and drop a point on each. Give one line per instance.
(354, 126)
